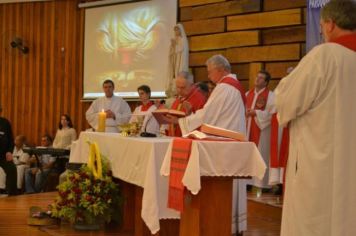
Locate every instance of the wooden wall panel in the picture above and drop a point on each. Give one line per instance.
(209, 26)
(279, 69)
(242, 71)
(264, 53)
(186, 3)
(226, 8)
(199, 58)
(38, 87)
(224, 40)
(265, 19)
(270, 5)
(284, 35)
(185, 13)
(200, 74)
(254, 69)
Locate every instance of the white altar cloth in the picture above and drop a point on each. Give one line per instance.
(139, 161)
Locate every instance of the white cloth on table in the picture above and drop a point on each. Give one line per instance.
(138, 161)
(218, 158)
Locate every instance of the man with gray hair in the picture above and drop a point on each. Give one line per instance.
(316, 99)
(189, 100)
(225, 108)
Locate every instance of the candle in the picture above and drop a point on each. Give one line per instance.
(101, 121)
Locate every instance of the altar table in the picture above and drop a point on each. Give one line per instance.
(138, 161)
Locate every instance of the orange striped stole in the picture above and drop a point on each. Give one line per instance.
(179, 160)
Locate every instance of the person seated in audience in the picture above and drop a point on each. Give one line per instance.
(36, 176)
(64, 138)
(66, 134)
(149, 123)
(20, 159)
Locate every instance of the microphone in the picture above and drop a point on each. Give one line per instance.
(147, 134)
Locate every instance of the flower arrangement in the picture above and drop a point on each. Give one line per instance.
(88, 194)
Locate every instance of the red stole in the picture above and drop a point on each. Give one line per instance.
(196, 99)
(260, 104)
(147, 106)
(236, 84)
(179, 161)
(278, 159)
(348, 41)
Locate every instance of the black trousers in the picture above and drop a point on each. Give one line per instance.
(11, 175)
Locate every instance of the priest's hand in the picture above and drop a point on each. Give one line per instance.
(110, 114)
(250, 112)
(187, 107)
(170, 119)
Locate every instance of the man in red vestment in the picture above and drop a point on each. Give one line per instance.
(259, 104)
(190, 99)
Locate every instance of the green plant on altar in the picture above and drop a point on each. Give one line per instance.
(89, 196)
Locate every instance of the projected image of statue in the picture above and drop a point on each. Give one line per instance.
(178, 58)
(129, 39)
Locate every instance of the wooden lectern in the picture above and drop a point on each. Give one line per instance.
(208, 213)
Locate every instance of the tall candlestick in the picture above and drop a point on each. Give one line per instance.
(101, 121)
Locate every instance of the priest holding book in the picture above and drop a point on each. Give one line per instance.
(225, 108)
(189, 100)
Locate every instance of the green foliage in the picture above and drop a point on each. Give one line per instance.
(82, 198)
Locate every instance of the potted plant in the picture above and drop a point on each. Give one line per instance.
(89, 197)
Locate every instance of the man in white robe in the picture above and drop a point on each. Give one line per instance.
(260, 103)
(225, 108)
(116, 109)
(317, 99)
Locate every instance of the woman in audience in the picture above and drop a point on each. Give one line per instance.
(66, 134)
(149, 125)
(64, 138)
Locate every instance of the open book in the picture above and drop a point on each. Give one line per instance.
(213, 132)
(160, 113)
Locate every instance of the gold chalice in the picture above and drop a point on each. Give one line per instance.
(125, 129)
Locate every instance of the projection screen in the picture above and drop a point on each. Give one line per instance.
(129, 44)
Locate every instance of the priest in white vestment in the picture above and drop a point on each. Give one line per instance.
(317, 99)
(117, 110)
(225, 108)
